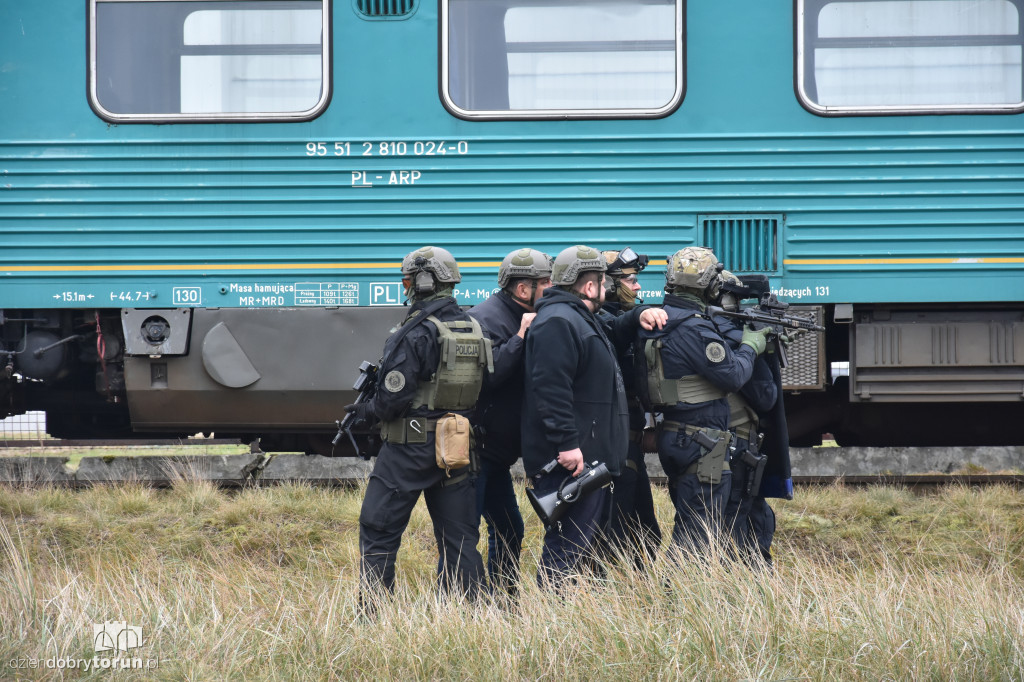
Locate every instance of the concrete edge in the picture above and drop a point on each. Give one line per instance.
(247, 469)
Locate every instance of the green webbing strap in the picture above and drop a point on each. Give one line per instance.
(407, 430)
(695, 389)
(692, 389)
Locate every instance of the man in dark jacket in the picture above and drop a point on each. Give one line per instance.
(414, 390)
(523, 276)
(691, 369)
(575, 402)
(633, 529)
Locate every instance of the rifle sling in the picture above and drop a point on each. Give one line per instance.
(410, 324)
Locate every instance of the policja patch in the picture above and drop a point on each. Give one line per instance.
(714, 350)
(394, 381)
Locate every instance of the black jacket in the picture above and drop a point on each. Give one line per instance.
(608, 313)
(695, 345)
(499, 409)
(764, 393)
(414, 359)
(760, 391)
(574, 395)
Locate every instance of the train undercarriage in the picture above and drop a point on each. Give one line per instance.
(880, 376)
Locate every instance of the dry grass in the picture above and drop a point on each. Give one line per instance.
(261, 584)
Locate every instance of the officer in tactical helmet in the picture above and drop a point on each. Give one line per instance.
(421, 391)
(758, 420)
(505, 316)
(621, 285)
(756, 398)
(633, 529)
(689, 371)
(574, 406)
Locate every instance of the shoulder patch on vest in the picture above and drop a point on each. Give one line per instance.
(394, 381)
(715, 352)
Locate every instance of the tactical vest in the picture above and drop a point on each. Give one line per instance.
(662, 392)
(464, 355)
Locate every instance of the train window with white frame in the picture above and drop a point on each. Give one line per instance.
(198, 60)
(561, 58)
(910, 56)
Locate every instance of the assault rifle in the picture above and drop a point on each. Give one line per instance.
(366, 385)
(771, 312)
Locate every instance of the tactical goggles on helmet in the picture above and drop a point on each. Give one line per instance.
(627, 259)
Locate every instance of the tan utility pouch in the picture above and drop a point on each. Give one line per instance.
(452, 442)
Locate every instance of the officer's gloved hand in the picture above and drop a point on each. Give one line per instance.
(790, 335)
(756, 338)
(361, 411)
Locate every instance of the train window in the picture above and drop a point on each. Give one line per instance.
(910, 56)
(188, 60)
(561, 58)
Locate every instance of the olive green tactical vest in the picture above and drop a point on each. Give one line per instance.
(464, 354)
(664, 392)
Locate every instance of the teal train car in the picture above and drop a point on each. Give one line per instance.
(203, 203)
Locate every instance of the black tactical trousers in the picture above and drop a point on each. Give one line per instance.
(633, 530)
(384, 517)
(570, 545)
(738, 507)
(496, 502)
(700, 507)
(761, 525)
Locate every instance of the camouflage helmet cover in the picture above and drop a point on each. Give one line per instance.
(437, 261)
(695, 267)
(573, 261)
(612, 283)
(524, 264)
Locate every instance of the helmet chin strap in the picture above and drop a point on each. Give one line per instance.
(528, 302)
(596, 300)
(445, 291)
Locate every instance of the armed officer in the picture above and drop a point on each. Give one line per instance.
(633, 528)
(432, 365)
(690, 369)
(505, 316)
(574, 406)
(757, 397)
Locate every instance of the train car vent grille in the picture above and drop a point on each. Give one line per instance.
(806, 354)
(384, 9)
(744, 242)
